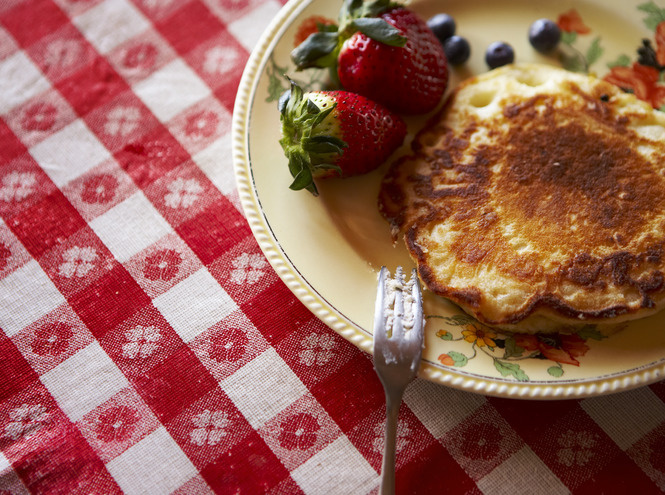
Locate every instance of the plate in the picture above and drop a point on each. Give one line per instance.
(328, 249)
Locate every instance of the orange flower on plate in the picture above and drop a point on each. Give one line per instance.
(560, 348)
(480, 336)
(660, 43)
(571, 22)
(446, 360)
(642, 80)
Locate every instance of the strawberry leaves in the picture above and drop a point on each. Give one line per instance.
(322, 48)
(307, 150)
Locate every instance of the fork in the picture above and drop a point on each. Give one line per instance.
(398, 346)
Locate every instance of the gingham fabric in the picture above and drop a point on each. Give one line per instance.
(148, 347)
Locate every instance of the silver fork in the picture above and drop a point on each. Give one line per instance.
(398, 346)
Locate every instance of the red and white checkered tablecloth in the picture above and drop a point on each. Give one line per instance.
(148, 347)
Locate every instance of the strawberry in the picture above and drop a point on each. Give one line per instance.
(382, 51)
(335, 134)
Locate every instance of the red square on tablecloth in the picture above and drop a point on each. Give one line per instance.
(255, 469)
(20, 21)
(110, 300)
(92, 86)
(174, 384)
(15, 372)
(347, 405)
(46, 223)
(151, 156)
(214, 231)
(177, 30)
(11, 147)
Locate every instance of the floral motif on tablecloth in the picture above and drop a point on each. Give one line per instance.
(52, 339)
(402, 440)
(202, 124)
(116, 424)
(299, 431)
(210, 427)
(78, 262)
(142, 341)
(16, 186)
(99, 189)
(228, 345)
(481, 441)
(39, 117)
(317, 348)
(248, 268)
(576, 448)
(162, 265)
(507, 350)
(183, 193)
(141, 56)
(219, 60)
(63, 53)
(122, 120)
(25, 421)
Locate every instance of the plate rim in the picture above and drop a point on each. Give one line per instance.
(333, 318)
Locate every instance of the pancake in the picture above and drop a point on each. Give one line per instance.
(535, 200)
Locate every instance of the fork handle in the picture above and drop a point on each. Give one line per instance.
(393, 402)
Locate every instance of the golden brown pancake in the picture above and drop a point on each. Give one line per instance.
(536, 201)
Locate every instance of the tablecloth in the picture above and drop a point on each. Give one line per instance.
(148, 347)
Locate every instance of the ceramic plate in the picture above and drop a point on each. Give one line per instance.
(328, 249)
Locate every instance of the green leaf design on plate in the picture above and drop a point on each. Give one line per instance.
(458, 320)
(459, 358)
(511, 369)
(621, 61)
(444, 335)
(590, 332)
(594, 52)
(655, 15)
(555, 371)
(276, 81)
(568, 37)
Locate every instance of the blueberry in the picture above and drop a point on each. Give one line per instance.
(442, 25)
(457, 50)
(499, 53)
(544, 35)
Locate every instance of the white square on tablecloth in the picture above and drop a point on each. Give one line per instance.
(26, 295)
(171, 89)
(615, 414)
(69, 153)
(195, 304)
(156, 464)
(110, 23)
(249, 28)
(4, 463)
(84, 381)
(20, 80)
(427, 400)
(337, 469)
(522, 469)
(215, 161)
(274, 387)
(130, 227)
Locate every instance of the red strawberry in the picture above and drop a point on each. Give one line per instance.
(382, 51)
(335, 134)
